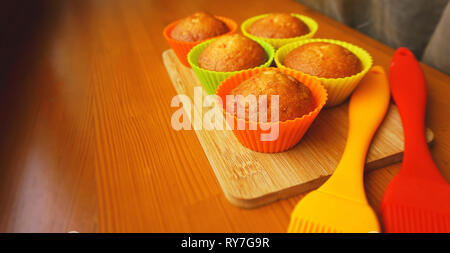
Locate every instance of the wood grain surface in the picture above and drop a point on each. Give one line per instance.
(250, 179)
(86, 141)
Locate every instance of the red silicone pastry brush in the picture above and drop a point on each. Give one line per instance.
(418, 198)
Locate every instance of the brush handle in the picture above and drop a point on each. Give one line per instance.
(409, 91)
(367, 108)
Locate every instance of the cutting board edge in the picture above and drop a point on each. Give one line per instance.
(250, 203)
(257, 201)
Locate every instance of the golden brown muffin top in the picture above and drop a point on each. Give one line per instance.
(231, 53)
(278, 25)
(323, 59)
(295, 99)
(197, 27)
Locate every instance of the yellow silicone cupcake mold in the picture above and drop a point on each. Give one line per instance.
(277, 43)
(339, 89)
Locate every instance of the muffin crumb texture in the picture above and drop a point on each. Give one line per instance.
(295, 99)
(323, 59)
(197, 27)
(279, 25)
(231, 53)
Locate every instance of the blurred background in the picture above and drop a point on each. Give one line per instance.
(421, 25)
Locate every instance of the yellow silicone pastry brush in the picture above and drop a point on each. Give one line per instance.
(340, 204)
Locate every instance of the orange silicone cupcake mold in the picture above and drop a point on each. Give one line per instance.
(182, 48)
(290, 131)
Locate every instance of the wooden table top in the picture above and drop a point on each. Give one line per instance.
(87, 143)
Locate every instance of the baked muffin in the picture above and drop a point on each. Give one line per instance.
(197, 27)
(295, 99)
(279, 25)
(231, 53)
(323, 59)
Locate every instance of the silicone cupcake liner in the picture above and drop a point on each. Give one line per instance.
(211, 79)
(290, 131)
(339, 89)
(182, 48)
(277, 43)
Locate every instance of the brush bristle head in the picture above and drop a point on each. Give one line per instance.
(406, 219)
(321, 212)
(412, 205)
(299, 225)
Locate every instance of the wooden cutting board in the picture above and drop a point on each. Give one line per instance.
(250, 179)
